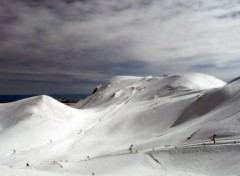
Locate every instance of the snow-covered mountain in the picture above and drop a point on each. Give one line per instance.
(130, 126)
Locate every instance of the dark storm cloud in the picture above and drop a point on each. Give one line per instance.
(85, 42)
(233, 15)
(204, 66)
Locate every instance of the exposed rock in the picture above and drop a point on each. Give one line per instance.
(96, 89)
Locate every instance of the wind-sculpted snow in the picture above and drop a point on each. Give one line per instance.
(172, 125)
(147, 88)
(36, 121)
(35, 107)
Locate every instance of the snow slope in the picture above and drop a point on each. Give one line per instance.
(169, 121)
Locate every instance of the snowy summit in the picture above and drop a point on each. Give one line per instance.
(172, 125)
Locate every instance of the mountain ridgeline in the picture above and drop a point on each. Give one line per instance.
(129, 126)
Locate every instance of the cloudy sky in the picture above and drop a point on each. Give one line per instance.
(70, 46)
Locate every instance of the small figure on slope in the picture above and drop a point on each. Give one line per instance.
(130, 148)
(214, 138)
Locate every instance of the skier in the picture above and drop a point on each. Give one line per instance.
(130, 148)
(214, 138)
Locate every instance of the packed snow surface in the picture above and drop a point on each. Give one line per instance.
(174, 125)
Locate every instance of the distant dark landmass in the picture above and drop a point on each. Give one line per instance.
(64, 98)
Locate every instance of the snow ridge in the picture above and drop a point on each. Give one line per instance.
(129, 126)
